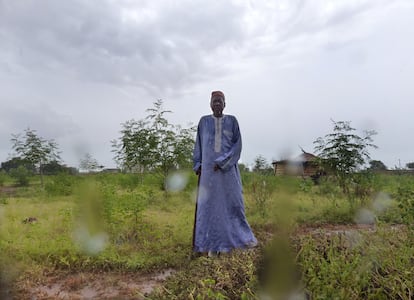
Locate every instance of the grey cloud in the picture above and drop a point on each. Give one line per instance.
(82, 57)
(307, 20)
(47, 122)
(348, 13)
(91, 40)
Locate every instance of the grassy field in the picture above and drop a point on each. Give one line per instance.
(314, 242)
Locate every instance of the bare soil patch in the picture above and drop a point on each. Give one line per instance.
(92, 285)
(8, 190)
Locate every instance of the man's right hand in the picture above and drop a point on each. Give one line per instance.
(198, 172)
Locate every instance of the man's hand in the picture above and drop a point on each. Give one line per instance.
(198, 172)
(216, 167)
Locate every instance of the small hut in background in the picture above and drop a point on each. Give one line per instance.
(305, 165)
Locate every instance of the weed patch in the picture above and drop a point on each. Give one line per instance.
(110, 223)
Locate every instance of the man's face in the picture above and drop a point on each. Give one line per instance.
(217, 106)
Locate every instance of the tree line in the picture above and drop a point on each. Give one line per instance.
(153, 144)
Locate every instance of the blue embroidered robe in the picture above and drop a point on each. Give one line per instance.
(221, 224)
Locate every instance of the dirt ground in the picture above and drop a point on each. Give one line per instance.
(8, 190)
(89, 285)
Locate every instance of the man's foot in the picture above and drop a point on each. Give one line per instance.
(213, 253)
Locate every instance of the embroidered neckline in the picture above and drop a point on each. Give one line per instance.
(218, 125)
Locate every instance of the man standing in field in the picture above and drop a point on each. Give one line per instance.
(220, 223)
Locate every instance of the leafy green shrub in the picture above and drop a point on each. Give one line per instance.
(130, 206)
(129, 181)
(328, 187)
(343, 152)
(119, 208)
(306, 185)
(336, 215)
(21, 175)
(405, 199)
(3, 177)
(261, 188)
(364, 185)
(357, 265)
(60, 185)
(229, 276)
(261, 191)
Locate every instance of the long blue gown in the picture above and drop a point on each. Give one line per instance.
(221, 224)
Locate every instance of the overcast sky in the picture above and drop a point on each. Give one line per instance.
(74, 70)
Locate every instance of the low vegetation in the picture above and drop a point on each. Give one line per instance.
(314, 240)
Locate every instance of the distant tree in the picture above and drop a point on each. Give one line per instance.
(377, 165)
(16, 162)
(54, 168)
(88, 163)
(243, 168)
(261, 165)
(410, 165)
(35, 149)
(135, 149)
(343, 152)
(153, 144)
(183, 145)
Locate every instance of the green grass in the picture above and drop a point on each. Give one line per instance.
(128, 223)
(373, 266)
